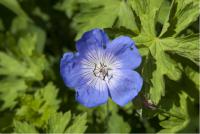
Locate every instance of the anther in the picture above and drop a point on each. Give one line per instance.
(101, 71)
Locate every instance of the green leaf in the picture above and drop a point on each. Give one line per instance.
(20, 25)
(23, 127)
(103, 14)
(164, 66)
(27, 44)
(23, 60)
(78, 125)
(183, 117)
(163, 11)
(32, 68)
(38, 12)
(116, 124)
(176, 20)
(193, 76)
(10, 65)
(40, 37)
(68, 6)
(147, 11)
(11, 89)
(148, 68)
(6, 121)
(58, 122)
(168, 19)
(186, 9)
(14, 6)
(38, 108)
(187, 47)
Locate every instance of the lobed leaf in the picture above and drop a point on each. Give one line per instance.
(58, 122)
(187, 47)
(14, 6)
(116, 124)
(68, 6)
(164, 66)
(38, 108)
(78, 125)
(105, 13)
(10, 90)
(23, 127)
(184, 118)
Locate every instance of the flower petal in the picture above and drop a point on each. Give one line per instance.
(69, 69)
(124, 86)
(93, 39)
(92, 95)
(124, 49)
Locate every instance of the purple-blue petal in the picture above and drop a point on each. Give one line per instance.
(91, 96)
(69, 69)
(93, 39)
(125, 87)
(125, 50)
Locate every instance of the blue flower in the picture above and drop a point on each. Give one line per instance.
(102, 68)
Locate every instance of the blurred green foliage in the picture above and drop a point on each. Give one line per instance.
(35, 33)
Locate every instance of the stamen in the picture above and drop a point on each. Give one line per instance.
(101, 70)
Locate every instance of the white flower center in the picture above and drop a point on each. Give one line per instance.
(99, 66)
(102, 71)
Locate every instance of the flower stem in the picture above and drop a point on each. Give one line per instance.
(107, 116)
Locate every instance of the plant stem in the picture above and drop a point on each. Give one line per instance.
(107, 116)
